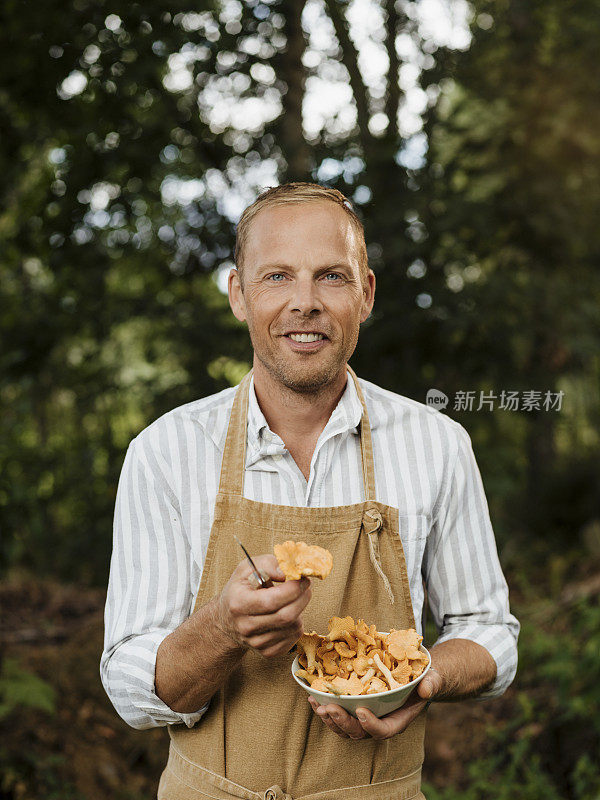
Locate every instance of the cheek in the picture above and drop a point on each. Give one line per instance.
(262, 311)
(348, 313)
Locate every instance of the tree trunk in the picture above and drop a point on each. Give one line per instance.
(290, 69)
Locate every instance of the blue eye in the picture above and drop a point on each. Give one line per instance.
(276, 275)
(335, 275)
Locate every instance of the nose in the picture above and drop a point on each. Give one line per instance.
(305, 296)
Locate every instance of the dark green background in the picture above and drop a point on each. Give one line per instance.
(487, 262)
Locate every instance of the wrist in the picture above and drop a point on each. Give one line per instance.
(222, 623)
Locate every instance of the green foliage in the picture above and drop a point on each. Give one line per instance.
(549, 746)
(486, 259)
(486, 256)
(509, 200)
(586, 778)
(21, 688)
(566, 656)
(517, 777)
(41, 774)
(109, 311)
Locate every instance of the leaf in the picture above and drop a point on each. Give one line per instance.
(21, 688)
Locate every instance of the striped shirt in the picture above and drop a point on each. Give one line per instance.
(424, 467)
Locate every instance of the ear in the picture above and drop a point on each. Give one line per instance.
(368, 296)
(236, 295)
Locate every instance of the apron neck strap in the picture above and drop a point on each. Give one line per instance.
(366, 442)
(234, 455)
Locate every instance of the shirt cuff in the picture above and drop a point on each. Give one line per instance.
(150, 704)
(128, 677)
(501, 644)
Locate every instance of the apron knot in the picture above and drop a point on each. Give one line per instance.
(277, 793)
(372, 520)
(372, 523)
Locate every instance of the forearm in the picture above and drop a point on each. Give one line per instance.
(466, 669)
(194, 661)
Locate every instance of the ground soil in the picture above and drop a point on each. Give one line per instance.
(84, 751)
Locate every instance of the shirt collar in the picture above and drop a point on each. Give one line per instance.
(262, 441)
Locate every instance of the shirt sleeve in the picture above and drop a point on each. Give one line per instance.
(468, 594)
(148, 590)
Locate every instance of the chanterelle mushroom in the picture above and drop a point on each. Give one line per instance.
(392, 682)
(308, 644)
(338, 626)
(404, 644)
(298, 558)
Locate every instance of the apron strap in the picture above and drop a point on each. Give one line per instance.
(234, 454)
(366, 442)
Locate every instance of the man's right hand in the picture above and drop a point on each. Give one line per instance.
(267, 621)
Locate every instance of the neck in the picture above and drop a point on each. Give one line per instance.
(294, 415)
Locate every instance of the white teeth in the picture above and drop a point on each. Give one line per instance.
(306, 337)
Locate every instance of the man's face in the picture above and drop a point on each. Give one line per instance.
(301, 276)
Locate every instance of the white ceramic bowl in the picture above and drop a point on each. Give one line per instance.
(380, 703)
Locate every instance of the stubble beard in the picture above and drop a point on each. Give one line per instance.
(310, 379)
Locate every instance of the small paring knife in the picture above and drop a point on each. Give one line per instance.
(263, 583)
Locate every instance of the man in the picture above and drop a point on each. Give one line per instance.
(301, 449)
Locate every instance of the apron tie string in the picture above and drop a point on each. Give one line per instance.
(372, 524)
(277, 793)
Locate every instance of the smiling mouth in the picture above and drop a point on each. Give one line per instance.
(306, 337)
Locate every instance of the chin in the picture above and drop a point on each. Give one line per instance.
(308, 379)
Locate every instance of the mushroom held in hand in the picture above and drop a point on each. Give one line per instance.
(298, 558)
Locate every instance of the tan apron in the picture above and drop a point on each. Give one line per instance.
(260, 739)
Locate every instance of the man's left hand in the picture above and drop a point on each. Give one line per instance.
(368, 726)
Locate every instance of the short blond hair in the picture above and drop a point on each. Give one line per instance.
(298, 192)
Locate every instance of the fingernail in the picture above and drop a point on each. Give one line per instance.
(361, 715)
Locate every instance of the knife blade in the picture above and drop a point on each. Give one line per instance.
(262, 582)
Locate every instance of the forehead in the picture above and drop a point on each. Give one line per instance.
(311, 230)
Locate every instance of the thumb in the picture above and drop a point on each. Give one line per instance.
(426, 689)
(269, 564)
(431, 685)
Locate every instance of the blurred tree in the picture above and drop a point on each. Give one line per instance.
(287, 128)
(510, 198)
(131, 139)
(106, 267)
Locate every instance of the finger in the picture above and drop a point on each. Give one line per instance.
(377, 728)
(331, 724)
(332, 721)
(285, 617)
(345, 721)
(254, 602)
(431, 685)
(272, 643)
(269, 564)
(413, 699)
(390, 724)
